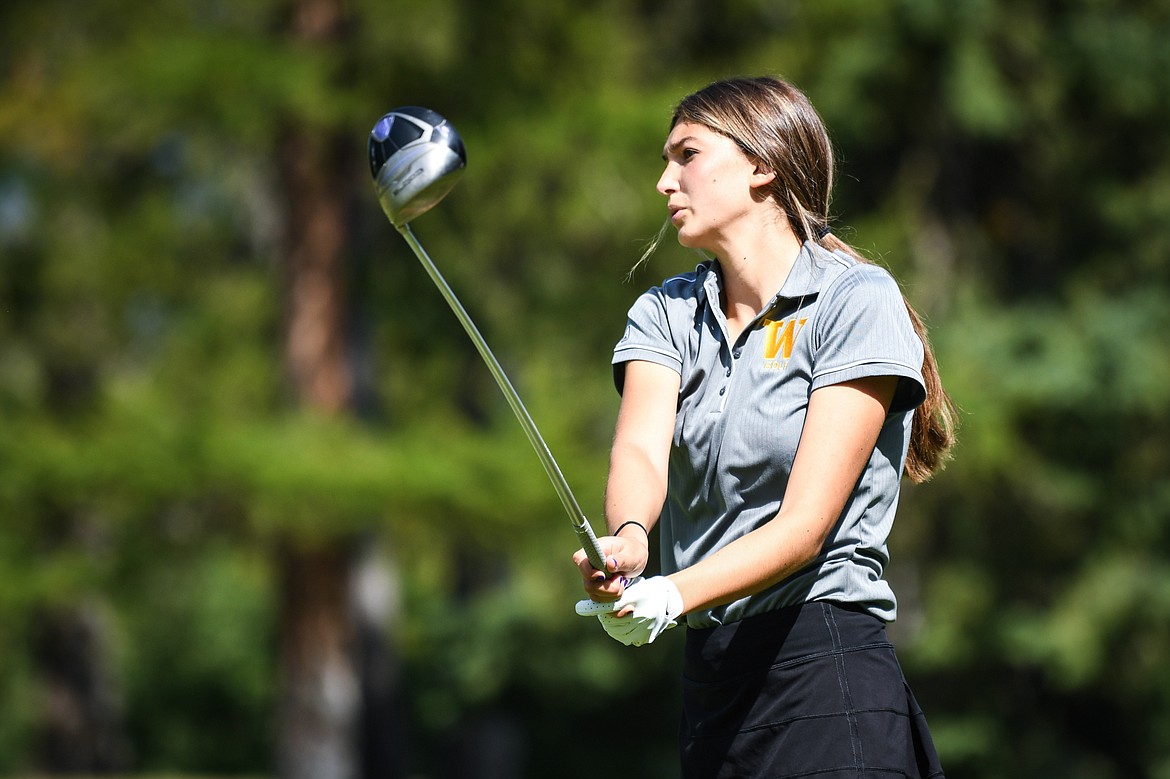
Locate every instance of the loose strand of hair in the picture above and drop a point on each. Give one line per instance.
(651, 247)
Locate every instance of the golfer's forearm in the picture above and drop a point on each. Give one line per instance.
(752, 563)
(635, 491)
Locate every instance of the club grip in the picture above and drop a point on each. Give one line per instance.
(590, 544)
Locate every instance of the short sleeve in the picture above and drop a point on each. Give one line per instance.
(863, 329)
(647, 337)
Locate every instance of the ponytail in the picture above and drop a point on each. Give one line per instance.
(932, 433)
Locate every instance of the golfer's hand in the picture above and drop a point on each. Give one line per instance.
(645, 609)
(625, 559)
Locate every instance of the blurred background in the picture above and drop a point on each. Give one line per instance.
(264, 513)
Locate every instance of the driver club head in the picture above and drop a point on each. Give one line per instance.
(416, 156)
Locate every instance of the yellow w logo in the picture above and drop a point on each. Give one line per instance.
(779, 337)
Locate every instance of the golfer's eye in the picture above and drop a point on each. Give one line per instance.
(688, 153)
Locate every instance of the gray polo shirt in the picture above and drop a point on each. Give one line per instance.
(741, 408)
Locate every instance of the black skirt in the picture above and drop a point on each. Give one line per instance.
(812, 690)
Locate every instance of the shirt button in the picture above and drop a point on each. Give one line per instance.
(729, 371)
(722, 390)
(736, 353)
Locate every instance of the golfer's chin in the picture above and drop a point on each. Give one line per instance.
(686, 237)
(691, 241)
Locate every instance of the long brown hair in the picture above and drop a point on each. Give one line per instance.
(774, 123)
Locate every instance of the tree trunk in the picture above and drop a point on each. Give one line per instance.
(320, 693)
(319, 700)
(336, 676)
(318, 198)
(80, 724)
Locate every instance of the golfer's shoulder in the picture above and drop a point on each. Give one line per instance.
(856, 281)
(682, 291)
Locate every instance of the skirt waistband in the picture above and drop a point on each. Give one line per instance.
(785, 636)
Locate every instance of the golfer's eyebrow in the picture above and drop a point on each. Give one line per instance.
(674, 147)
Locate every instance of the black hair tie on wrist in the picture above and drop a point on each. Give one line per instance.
(632, 522)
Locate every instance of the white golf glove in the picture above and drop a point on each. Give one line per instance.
(656, 602)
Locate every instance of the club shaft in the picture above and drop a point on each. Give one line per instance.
(581, 525)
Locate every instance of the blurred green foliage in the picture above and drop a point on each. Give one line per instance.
(1008, 161)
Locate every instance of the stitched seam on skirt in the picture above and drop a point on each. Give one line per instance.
(819, 771)
(846, 696)
(786, 722)
(790, 663)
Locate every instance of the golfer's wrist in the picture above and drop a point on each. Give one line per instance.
(632, 530)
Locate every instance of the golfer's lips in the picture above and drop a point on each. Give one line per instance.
(675, 213)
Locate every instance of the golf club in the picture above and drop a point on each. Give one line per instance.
(416, 156)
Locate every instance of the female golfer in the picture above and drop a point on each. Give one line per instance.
(771, 401)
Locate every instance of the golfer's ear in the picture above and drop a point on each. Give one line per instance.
(762, 176)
